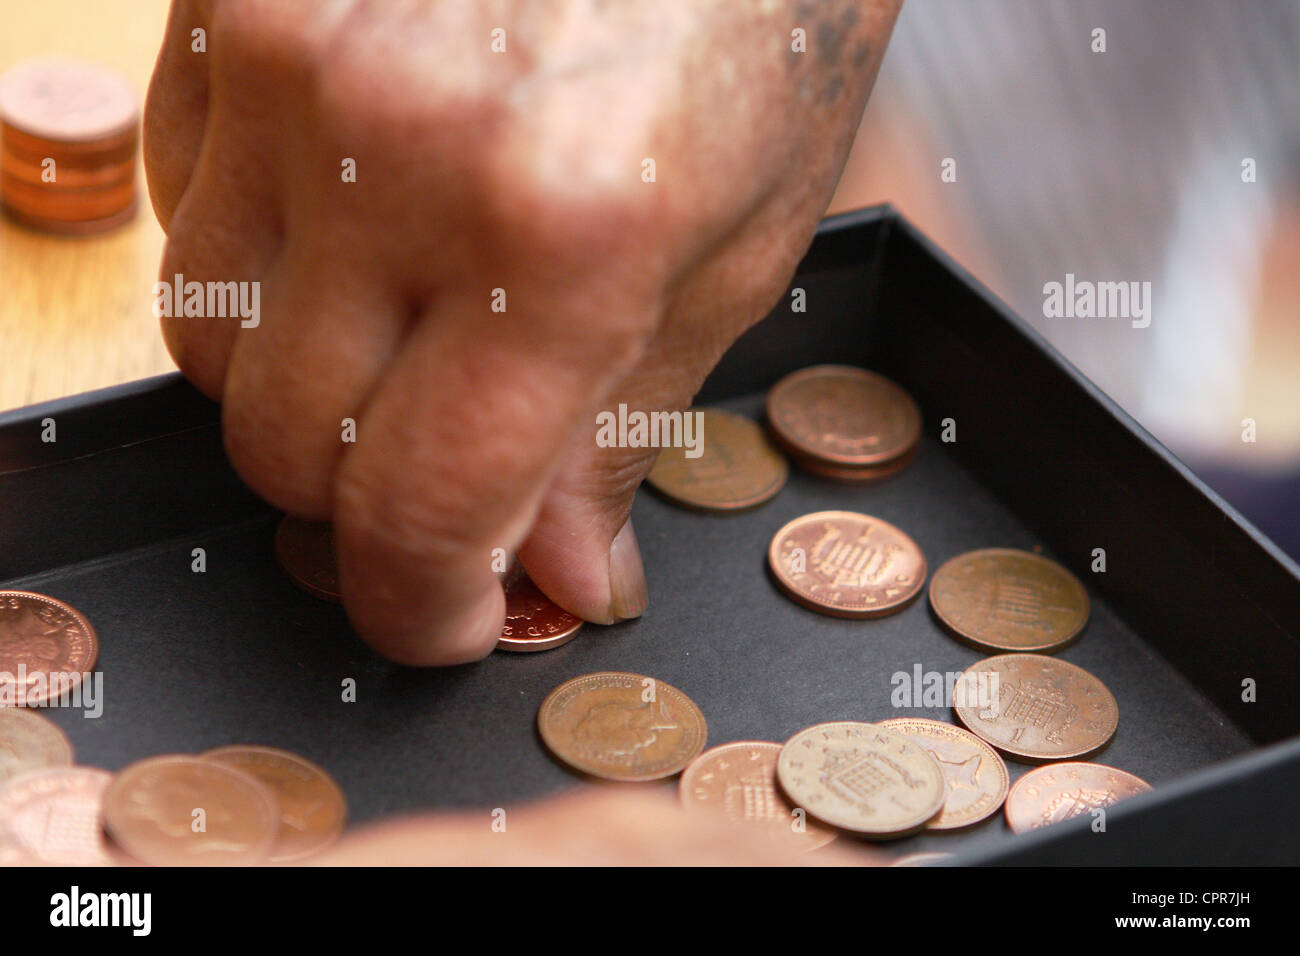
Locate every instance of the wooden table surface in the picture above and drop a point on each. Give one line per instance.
(75, 313)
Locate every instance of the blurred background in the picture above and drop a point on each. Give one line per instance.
(1122, 165)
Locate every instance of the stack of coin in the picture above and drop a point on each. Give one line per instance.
(69, 135)
(844, 423)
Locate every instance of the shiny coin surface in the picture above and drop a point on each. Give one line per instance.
(1060, 791)
(1008, 600)
(861, 777)
(977, 778)
(153, 810)
(847, 564)
(312, 807)
(52, 817)
(738, 781)
(29, 741)
(533, 621)
(305, 551)
(933, 858)
(737, 467)
(841, 415)
(622, 726)
(1037, 708)
(45, 648)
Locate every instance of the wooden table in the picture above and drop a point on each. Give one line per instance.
(75, 313)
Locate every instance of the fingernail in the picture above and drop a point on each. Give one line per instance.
(628, 595)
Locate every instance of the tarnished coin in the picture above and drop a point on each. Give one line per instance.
(1038, 708)
(1060, 791)
(52, 817)
(312, 807)
(847, 564)
(622, 726)
(976, 776)
(45, 648)
(533, 621)
(738, 781)
(841, 415)
(29, 741)
(861, 777)
(154, 808)
(1008, 600)
(736, 468)
(305, 551)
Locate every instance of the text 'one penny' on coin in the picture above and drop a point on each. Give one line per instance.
(737, 781)
(1060, 791)
(834, 419)
(305, 552)
(846, 564)
(622, 726)
(46, 646)
(862, 777)
(1007, 600)
(736, 468)
(533, 621)
(1036, 708)
(153, 808)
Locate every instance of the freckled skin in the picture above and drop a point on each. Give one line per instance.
(523, 171)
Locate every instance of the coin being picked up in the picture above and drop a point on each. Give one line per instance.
(305, 552)
(736, 468)
(622, 726)
(861, 777)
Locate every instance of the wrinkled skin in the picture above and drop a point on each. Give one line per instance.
(476, 171)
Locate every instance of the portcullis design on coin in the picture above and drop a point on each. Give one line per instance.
(846, 564)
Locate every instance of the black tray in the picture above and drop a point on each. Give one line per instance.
(1193, 601)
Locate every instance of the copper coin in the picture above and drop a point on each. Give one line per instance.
(312, 807)
(305, 551)
(29, 741)
(976, 776)
(54, 201)
(1038, 708)
(842, 415)
(922, 859)
(1060, 791)
(737, 467)
(67, 100)
(738, 781)
(622, 726)
(186, 811)
(72, 227)
(847, 564)
(67, 176)
(861, 777)
(847, 474)
(115, 150)
(1008, 600)
(533, 621)
(45, 648)
(52, 817)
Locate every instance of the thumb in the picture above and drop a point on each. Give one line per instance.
(582, 551)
